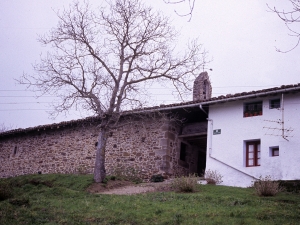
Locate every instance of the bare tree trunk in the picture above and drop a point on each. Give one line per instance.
(99, 171)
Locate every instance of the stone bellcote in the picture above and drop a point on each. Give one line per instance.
(202, 87)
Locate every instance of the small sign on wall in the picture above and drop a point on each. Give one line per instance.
(217, 131)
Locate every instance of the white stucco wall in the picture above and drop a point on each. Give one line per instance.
(229, 146)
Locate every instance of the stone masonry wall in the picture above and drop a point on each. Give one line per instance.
(146, 146)
(64, 150)
(174, 143)
(202, 87)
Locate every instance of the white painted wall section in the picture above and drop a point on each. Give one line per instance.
(227, 151)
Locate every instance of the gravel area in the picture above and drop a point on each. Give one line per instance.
(128, 188)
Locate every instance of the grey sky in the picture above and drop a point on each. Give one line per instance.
(240, 37)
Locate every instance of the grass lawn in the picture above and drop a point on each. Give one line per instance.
(62, 199)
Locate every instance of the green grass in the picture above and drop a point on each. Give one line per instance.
(62, 199)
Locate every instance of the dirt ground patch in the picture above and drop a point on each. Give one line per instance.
(121, 187)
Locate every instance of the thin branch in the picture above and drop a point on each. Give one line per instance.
(191, 4)
(289, 18)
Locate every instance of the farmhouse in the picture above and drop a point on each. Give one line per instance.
(242, 136)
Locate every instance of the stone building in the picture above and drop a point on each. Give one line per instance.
(155, 144)
(242, 136)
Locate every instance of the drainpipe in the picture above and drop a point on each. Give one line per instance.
(282, 114)
(200, 106)
(210, 136)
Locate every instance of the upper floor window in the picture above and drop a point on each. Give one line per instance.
(274, 104)
(252, 153)
(253, 109)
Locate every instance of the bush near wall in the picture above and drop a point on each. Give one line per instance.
(290, 185)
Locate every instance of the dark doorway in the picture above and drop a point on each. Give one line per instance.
(201, 163)
(195, 153)
(193, 136)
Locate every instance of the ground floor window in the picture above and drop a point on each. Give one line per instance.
(253, 153)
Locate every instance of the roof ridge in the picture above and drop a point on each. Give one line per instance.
(220, 98)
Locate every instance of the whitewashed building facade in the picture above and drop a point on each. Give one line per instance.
(255, 135)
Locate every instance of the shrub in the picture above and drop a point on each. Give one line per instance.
(265, 186)
(185, 183)
(157, 178)
(113, 177)
(213, 177)
(290, 185)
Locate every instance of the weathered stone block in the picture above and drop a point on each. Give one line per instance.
(166, 158)
(160, 152)
(170, 136)
(164, 142)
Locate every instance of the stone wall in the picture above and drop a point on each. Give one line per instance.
(146, 146)
(64, 150)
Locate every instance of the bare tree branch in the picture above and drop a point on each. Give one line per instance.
(191, 5)
(290, 17)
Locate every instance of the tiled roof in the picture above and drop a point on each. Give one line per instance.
(214, 100)
(49, 126)
(226, 98)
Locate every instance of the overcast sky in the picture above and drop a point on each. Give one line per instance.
(240, 37)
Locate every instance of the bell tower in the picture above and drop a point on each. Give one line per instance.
(202, 87)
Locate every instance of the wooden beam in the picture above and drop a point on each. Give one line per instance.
(193, 135)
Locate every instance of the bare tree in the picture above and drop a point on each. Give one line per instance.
(104, 60)
(191, 5)
(290, 17)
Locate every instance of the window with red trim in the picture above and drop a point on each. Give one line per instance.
(252, 153)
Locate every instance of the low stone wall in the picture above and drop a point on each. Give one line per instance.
(147, 147)
(63, 150)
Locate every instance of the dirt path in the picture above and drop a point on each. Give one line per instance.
(130, 190)
(127, 188)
